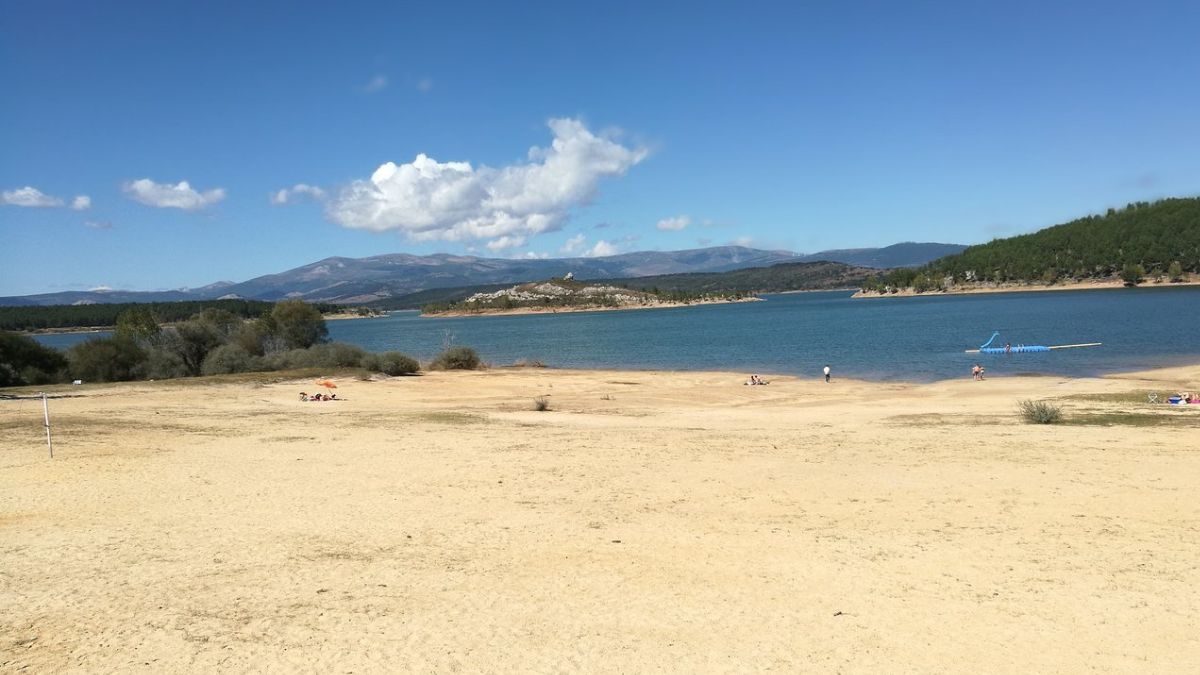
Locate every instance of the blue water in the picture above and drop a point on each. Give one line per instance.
(918, 338)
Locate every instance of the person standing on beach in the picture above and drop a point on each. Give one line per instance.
(827, 372)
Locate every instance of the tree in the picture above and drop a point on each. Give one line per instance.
(112, 359)
(1132, 274)
(138, 324)
(298, 324)
(25, 361)
(1175, 272)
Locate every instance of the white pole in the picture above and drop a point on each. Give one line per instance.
(46, 416)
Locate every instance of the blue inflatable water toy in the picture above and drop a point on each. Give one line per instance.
(987, 348)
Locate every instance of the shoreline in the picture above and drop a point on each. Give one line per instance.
(1104, 285)
(519, 311)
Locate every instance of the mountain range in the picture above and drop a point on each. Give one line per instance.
(362, 280)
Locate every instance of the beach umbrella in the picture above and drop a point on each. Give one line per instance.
(327, 384)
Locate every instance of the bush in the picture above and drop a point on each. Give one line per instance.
(456, 358)
(24, 360)
(1040, 412)
(541, 404)
(105, 360)
(391, 363)
(161, 364)
(332, 355)
(228, 359)
(298, 323)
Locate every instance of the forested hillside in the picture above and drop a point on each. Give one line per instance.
(1143, 239)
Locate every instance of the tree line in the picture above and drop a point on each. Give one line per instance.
(1159, 239)
(38, 317)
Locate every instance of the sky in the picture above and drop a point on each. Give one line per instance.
(158, 145)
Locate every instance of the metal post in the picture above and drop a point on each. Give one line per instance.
(46, 416)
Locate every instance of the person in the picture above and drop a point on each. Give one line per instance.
(975, 372)
(303, 396)
(981, 372)
(1007, 347)
(827, 372)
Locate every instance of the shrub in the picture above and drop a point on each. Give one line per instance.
(332, 355)
(228, 359)
(541, 404)
(456, 358)
(298, 323)
(1040, 412)
(24, 360)
(391, 363)
(105, 360)
(161, 364)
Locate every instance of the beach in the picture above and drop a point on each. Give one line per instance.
(648, 521)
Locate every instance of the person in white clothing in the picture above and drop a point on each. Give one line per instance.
(827, 372)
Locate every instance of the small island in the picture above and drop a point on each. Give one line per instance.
(568, 295)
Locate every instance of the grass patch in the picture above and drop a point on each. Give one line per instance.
(939, 419)
(1133, 419)
(452, 418)
(1124, 397)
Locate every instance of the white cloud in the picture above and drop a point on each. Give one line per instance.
(602, 248)
(531, 255)
(504, 243)
(453, 201)
(288, 194)
(100, 289)
(742, 241)
(98, 224)
(573, 244)
(675, 223)
(164, 195)
(29, 197)
(377, 83)
(81, 203)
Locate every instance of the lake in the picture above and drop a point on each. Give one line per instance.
(913, 338)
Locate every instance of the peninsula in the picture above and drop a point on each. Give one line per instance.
(568, 295)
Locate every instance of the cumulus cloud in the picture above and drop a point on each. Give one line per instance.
(675, 223)
(506, 242)
(454, 201)
(602, 248)
(29, 197)
(81, 203)
(573, 244)
(289, 194)
(164, 195)
(376, 83)
(532, 255)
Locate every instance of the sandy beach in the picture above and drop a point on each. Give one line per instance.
(674, 522)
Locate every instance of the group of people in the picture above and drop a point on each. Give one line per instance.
(976, 372)
(318, 397)
(1185, 397)
(755, 379)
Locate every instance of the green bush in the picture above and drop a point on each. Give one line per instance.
(105, 360)
(456, 358)
(1040, 412)
(331, 355)
(161, 364)
(541, 404)
(391, 363)
(227, 359)
(24, 360)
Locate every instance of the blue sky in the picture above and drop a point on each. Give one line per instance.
(802, 126)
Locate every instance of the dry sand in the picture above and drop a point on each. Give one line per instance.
(674, 522)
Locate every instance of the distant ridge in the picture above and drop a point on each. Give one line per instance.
(375, 278)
